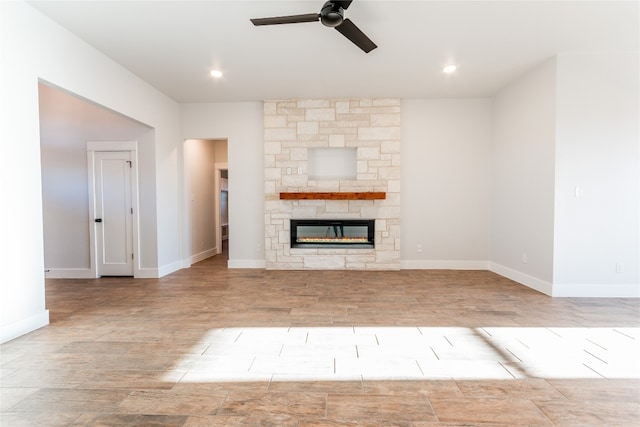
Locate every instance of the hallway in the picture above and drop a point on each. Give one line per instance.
(209, 346)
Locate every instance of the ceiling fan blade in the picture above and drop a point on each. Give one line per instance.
(343, 4)
(291, 19)
(353, 33)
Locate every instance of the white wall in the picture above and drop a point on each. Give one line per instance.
(33, 47)
(522, 178)
(445, 183)
(66, 124)
(241, 125)
(597, 150)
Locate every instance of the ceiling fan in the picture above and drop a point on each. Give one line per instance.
(331, 15)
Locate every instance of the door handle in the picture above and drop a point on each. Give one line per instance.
(98, 220)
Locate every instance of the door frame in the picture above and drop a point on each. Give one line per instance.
(101, 146)
(219, 167)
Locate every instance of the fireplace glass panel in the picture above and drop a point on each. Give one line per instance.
(332, 233)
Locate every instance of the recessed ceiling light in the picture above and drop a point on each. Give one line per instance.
(216, 73)
(449, 69)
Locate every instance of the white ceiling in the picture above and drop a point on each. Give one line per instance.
(173, 44)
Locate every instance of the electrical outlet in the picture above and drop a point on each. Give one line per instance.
(258, 248)
(419, 249)
(619, 267)
(524, 258)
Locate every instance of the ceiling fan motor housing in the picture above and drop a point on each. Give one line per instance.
(331, 14)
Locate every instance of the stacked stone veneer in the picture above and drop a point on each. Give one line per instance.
(291, 127)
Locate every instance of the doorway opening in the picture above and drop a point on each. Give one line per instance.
(223, 211)
(67, 123)
(207, 188)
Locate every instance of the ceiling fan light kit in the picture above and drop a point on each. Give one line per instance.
(331, 15)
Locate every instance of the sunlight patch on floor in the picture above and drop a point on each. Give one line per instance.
(412, 353)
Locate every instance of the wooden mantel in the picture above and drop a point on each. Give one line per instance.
(369, 195)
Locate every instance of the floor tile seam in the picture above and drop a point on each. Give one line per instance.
(457, 381)
(433, 409)
(19, 401)
(591, 402)
(540, 405)
(112, 410)
(115, 410)
(491, 398)
(90, 369)
(326, 406)
(502, 400)
(77, 415)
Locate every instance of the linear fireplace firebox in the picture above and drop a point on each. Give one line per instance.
(332, 233)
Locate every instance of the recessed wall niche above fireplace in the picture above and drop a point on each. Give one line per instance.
(333, 233)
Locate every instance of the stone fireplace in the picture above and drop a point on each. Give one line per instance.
(295, 191)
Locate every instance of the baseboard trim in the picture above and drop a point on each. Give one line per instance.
(169, 268)
(522, 278)
(21, 327)
(69, 273)
(596, 291)
(85, 273)
(203, 255)
(146, 273)
(247, 263)
(443, 265)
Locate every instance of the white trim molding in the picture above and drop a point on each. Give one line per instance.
(219, 167)
(204, 255)
(443, 265)
(522, 278)
(132, 148)
(247, 263)
(112, 145)
(596, 291)
(24, 326)
(69, 273)
(169, 268)
(147, 273)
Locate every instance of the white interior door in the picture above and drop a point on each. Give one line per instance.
(113, 213)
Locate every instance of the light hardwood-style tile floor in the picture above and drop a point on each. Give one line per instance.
(208, 346)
